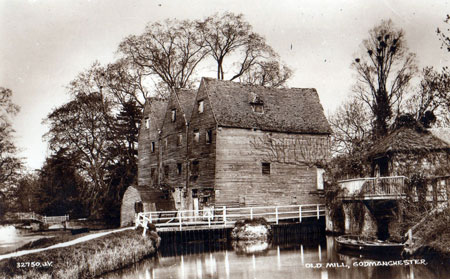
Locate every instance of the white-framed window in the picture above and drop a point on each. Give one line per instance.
(320, 173)
(180, 139)
(174, 115)
(201, 106)
(196, 135)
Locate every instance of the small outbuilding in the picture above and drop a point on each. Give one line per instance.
(139, 199)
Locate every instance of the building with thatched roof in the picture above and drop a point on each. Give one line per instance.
(230, 144)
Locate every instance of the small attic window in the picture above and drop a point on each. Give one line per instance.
(256, 102)
(200, 106)
(258, 108)
(174, 115)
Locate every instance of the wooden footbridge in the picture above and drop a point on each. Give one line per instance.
(32, 216)
(225, 217)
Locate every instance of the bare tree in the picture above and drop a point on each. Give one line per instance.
(384, 69)
(229, 36)
(304, 150)
(170, 50)
(431, 100)
(351, 127)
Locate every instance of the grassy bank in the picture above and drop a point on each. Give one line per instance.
(84, 260)
(433, 238)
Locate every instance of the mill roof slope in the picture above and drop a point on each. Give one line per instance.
(155, 108)
(186, 98)
(296, 110)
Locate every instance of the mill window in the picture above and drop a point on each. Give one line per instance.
(208, 136)
(152, 147)
(147, 123)
(196, 135)
(265, 168)
(174, 115)
(200, 106)
(180, 139)
(179, 168)
(195, 167)
(258, 108)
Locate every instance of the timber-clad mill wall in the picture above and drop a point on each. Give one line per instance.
(239, 177)
(201, 176)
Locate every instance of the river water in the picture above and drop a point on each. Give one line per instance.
(306, 256)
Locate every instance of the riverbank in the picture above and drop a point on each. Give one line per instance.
(432, 240)
(86, 259)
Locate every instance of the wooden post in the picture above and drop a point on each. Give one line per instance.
(224, 215)
(251, 213)
(180, 217)
(209, 220)
(150, 217)
(300, 213)
(145, 226)
(318, 212)
(276, 214)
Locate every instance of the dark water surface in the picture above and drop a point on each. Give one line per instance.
(304, 256)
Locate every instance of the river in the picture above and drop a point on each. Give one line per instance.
(307, 256)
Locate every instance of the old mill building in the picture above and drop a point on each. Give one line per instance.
(230, 144)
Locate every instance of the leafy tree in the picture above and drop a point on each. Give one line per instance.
(10, 164)
(57, 190)
(384, 69)
(82, 127)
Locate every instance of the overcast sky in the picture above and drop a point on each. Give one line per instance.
(44, 44)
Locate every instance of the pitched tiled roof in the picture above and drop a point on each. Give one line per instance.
(442, 134)
(294, 110)
(405, 140)
(187, 100)
(155, 108)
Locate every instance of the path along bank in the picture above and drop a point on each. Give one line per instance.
(85, 257)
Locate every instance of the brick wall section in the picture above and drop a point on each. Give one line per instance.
(127, 211)
(239, 177)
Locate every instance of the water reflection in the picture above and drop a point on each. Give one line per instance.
(301, 258)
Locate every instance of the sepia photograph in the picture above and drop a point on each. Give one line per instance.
(153, 139)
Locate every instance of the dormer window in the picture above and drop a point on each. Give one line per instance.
(200, 106)
(256, 102)
(147, 122)
(258, 108)
(174, 115)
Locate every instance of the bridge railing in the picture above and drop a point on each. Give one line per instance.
(375, 186)
(228, 215)
(40, 218)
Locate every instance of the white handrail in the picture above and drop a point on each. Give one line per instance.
(224, 215)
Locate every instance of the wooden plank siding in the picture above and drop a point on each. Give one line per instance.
(201, 177)
(239, 178)
(173, 150)
(148, 161)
